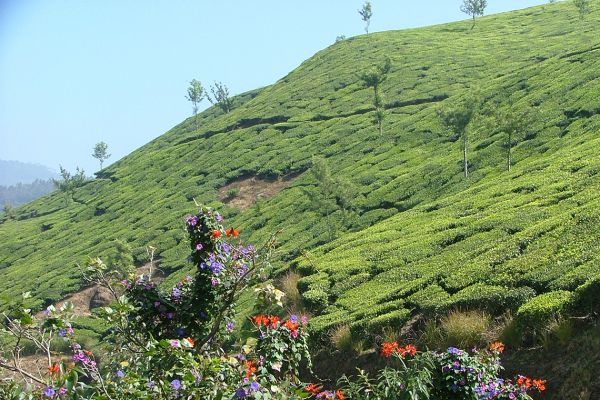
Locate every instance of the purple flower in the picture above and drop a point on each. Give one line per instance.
(218, 217)
(120, 374)
(62, 391)
(254, 386)
(240, 393)
(199, 246)
(229, 326)
(49, 392)
(151, 385)
(454, 350)
(294, 318)
(176, 293)
(192, 220)
(62, 332)
(304, 320)
(176, 384)
(225, 248)
(214, 282)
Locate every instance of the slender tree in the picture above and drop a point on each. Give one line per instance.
(474, 8)
(373, 79)
(333, 197)
(195, 95)
(101, 153)
(583, 7)
(366, 12)
(512, 121)
(220, 97)
(68, 183)
(457, 119)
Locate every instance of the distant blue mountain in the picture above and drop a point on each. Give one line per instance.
(13, 172)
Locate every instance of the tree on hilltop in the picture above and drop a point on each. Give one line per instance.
(583, 7)
(220, 97)
(373, 79)
(68, 183)
(101, 152)
(366, 12)
(195, 94)
(474, 8)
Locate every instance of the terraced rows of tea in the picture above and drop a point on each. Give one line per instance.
(417, 237)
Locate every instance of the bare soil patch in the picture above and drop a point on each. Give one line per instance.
(243, 193)
(97, 296)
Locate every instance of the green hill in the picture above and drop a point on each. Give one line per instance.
(416, 235)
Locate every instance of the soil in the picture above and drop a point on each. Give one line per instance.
(97, 296)
(250, 190)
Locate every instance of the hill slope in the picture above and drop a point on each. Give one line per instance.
(533, 230)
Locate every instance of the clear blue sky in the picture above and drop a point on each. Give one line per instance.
(76, 72)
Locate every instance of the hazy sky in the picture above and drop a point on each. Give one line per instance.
(76, 72)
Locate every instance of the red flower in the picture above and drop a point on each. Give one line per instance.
(273, 321)
(497, 347)
(259, 320)
(339, 394)
(389, 348)
(409, 349)
(55, 369)
(292, 327)
(215, 234)
(270, 321)
(313, 388)
(524, 381)
(232, 232)
(250, 368)
(539, 384)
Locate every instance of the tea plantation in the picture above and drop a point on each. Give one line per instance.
(415, 236)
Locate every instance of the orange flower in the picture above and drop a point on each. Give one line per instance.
(259, 320)
(409, 349)
(273, 321)
(215, 234)
(291, 326)
(497, 347)
(55, 369)
(339, 394)
(539, 384)
(524, 381)
(389, 348)
(232, 232)
(313, 388)
(250, 368)
(191, 341)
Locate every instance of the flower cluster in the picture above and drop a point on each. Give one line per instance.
(318, 392)
(389, 348)
(528, 383)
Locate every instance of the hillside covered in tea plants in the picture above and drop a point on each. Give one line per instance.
(394, 229)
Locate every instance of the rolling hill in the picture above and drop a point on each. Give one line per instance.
(415, 235)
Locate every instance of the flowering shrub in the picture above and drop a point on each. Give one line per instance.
(453, 374)
(176, 343)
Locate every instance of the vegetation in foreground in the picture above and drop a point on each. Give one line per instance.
(177, 343)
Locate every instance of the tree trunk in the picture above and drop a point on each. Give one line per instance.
(509, 151)
(465, 160)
